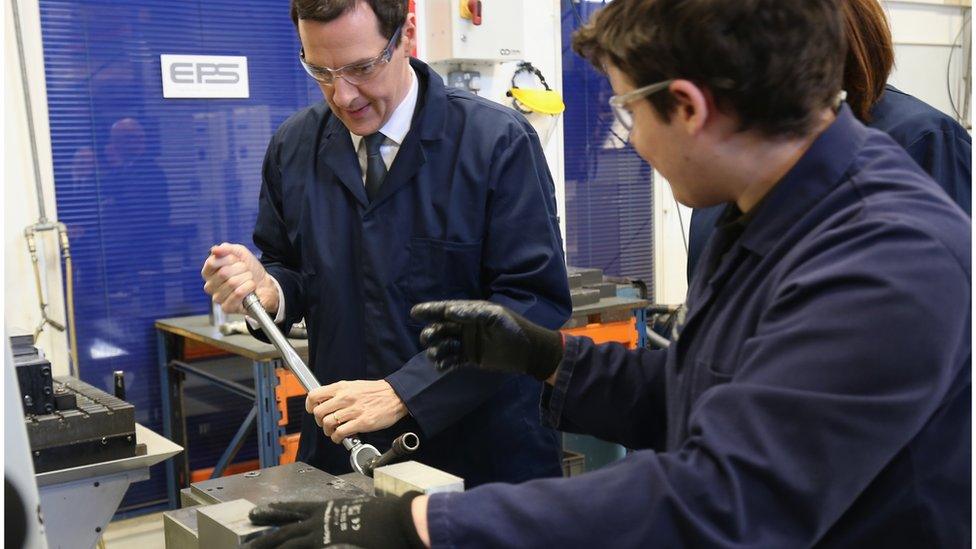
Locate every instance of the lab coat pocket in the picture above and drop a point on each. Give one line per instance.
(710, 373)
(442, 269)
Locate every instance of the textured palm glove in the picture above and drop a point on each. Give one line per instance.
(384, 522)
(489, 336)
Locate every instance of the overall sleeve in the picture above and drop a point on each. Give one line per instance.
(610, 392)
(829, 389)
(522, 268)
(278, 256)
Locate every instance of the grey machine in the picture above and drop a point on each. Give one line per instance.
(81, 445)
(214, 512)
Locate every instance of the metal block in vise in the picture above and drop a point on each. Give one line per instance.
(400, 478)
(584, 297)
(180, 529)
(226, 525)
(606, 289)
(588, 277)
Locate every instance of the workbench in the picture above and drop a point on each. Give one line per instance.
(172, 336)
(619, 318)
(214, 514)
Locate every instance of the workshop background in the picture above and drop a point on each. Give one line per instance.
(146, 185)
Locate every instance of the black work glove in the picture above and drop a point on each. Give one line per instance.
(367, 522)
(489, 336)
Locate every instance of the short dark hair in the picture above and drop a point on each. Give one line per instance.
(774, 64)
(870, 55)
(390, 13)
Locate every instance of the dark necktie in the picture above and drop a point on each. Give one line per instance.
(375, 167)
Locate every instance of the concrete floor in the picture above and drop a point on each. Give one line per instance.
(145, 532)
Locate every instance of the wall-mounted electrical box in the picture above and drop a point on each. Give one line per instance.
(474, 30)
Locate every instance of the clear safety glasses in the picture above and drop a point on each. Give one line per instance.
(618, 103)
(354, 73)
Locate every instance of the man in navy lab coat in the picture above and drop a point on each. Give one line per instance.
(394, 191)
(818, 391)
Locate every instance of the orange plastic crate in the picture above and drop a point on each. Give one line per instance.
(289, 448)
(624, 331)
(198, 475)
(195, 350)
(288, 386)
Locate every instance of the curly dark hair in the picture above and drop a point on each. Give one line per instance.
(774, 64)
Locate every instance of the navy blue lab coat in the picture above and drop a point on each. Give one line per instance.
(818, 393)
(467, 210)
(935, 141)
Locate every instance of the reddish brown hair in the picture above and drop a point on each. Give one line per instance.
(870, 54)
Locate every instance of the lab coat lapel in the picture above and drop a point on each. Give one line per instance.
(337, 154)
(427, 125)
(703, 292)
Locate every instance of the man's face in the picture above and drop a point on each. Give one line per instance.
(650, 136)
(671, 146)
(352, 38)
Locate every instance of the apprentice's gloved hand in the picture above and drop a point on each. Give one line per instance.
(488, 335)
(383, 522)
(231, 272)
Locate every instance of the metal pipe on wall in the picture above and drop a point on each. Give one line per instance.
(30, 110)
(74, 368)
(43, 224)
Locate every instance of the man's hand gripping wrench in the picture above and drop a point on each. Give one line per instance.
(363, 457)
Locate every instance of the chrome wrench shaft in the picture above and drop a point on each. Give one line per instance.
(360, 454)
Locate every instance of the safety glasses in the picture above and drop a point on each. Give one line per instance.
(618, 103)
(354, 73)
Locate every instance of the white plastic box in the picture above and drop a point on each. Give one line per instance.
(450, 37)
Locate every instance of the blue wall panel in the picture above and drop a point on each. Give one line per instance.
(609, 197)
(146, 185)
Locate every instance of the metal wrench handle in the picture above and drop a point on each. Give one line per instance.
(288, 354)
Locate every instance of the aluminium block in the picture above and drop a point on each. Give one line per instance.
(400, 478)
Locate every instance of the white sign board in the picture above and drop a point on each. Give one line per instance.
(204, 76)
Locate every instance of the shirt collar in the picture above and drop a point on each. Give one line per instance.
(398, 125)
(819, 171)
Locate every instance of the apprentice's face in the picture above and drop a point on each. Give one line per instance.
(355, 37)
(671, 144)
(649, 134)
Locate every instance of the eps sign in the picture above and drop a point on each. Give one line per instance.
(204, 76)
